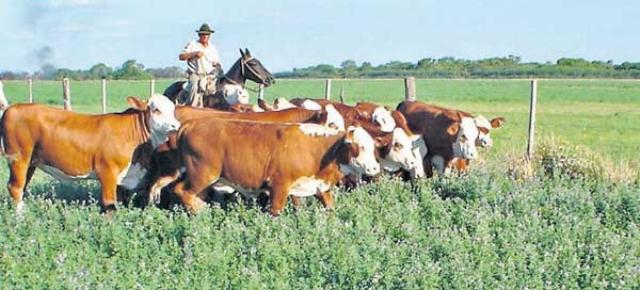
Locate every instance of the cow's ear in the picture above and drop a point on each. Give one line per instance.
(382, 141)
(453, 129)
(137, 103)
(349, 137)
(497, 122)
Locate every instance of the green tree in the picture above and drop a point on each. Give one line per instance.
(100, 70)
(131, 70)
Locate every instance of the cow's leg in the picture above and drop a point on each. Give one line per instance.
(326, 198)
(192, 189)
(20, 173)
(123, 195)
(188, 196)
(153, 195)
(428, 167)
(278, 196)
(107, 177)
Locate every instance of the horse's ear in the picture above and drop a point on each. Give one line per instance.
(247, 53)
(241, 53)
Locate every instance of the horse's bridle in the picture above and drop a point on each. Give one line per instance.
(243, 64)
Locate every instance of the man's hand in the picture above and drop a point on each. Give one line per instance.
(197, 54)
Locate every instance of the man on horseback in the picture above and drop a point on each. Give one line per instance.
(203, 68)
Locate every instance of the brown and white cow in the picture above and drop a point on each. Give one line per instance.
(380, 115)
(70, 145)
(397, 146)
(279, 158)
(165, 164)
(450, 135)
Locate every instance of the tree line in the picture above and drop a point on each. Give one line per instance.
(129, 70)
(449, 67)
(445, 67)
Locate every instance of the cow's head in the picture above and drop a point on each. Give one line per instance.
(334, 118)
(383, 118)
(161, 119)
(466, 133)
(484, 127)
(361, 156)
(398, 150)
(311, 105)
(235, 94)
(281, 103)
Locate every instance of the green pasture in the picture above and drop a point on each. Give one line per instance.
(564, 228)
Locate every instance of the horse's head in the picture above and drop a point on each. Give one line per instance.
(252, 69)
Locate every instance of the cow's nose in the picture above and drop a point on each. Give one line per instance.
(373, 170)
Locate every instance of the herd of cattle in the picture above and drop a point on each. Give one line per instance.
(297, 148)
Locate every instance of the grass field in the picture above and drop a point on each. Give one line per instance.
(485, 230)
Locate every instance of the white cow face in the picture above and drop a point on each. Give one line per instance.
(162, 119)
(465, 144)
(364, 162)
(383, 118)
(484, 127)
(311, 105)
(281, 103)
(401, 150)
(234, 94)
(334, 118)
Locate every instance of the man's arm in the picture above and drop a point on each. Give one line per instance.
(190, 52)
(190, 55)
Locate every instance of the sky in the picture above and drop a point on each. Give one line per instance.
(285, 34)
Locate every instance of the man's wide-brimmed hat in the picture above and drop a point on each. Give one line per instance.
(204, 29)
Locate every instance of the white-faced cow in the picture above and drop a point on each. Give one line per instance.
(380, 115)
(396, 146)
(451, 135)
(281, 159)
(71, 146)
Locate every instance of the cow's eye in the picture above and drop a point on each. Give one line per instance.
(463, 138)
(398, 146)
(156, 111)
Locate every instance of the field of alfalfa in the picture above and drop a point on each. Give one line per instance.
(570, 221)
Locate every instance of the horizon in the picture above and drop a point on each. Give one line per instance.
(76, 34)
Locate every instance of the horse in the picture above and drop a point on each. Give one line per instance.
(230, 92)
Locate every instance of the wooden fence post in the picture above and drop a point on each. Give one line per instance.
(103, 95)
(532, 119)
(30, 81)
(152, 87)
(410, 89)
(327, 89)
(66, 94)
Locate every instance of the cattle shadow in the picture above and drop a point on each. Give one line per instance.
(225, 201)
(82, 192)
